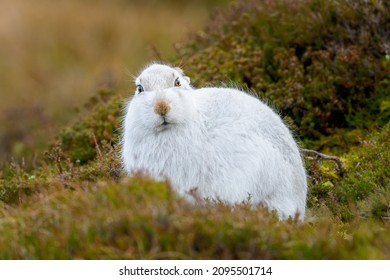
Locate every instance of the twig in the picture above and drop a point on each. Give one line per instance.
(97, 145)
(318, 155)
(55, 155)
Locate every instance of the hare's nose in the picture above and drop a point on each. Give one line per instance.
(161, 107)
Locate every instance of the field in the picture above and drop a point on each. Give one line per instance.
(324, 65)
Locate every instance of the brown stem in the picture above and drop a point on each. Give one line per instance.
(97, 145)
(318, 155)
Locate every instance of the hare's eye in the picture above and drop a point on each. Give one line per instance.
(177, 83)
(140, 89)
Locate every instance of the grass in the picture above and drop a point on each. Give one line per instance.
(76, 203)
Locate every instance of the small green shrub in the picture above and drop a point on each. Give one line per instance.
(80, 141)
(367, 177)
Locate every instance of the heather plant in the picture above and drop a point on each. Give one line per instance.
(323, 64)
(81, 140)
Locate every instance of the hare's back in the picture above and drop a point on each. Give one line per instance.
(227, 101)
(237, 113)
(233, 106)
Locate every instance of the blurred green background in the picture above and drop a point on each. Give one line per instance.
(54, 55)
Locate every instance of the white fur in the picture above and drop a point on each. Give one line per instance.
(160, 76)
(222, 141)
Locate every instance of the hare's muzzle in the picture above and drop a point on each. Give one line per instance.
(161, 107)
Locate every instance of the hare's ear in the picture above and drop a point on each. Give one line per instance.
(187, 79)
(181, 72)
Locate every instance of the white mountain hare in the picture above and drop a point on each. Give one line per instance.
(221, 141)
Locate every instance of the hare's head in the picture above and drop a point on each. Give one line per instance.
(159, 77)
